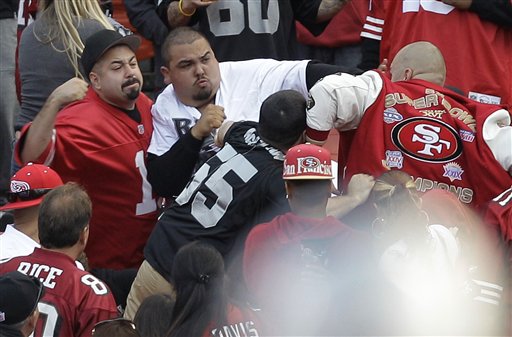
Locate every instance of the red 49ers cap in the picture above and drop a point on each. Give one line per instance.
(307, 161)
(29, 185)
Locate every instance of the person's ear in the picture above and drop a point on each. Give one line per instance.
(166, 73)
(95, 80)
(408, 74)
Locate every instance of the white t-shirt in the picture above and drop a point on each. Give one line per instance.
(244, 86)
(14, 243)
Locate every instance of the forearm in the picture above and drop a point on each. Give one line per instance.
(144, 17)
(329, 8)
(174, 16)
(40, 132)
(340, 206)
(170, 172)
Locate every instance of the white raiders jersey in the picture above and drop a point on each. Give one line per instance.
(243, 88)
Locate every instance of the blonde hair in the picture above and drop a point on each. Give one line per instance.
(395, 191)
(63, 18)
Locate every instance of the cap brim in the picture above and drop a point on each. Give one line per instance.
(21, 204)
(306, 177)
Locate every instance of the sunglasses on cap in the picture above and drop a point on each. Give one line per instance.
(27, 194)
(115, 321)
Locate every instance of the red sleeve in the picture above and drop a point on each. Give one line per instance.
(45, 155)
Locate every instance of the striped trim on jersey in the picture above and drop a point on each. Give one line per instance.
(372, 28)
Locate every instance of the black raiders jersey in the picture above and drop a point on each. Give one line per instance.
(234, 190)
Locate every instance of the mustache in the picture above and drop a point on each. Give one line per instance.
(130, 81)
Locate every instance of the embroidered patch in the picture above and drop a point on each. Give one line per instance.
(394, 159)
(467, 136)
(453, 171)
(391, 115)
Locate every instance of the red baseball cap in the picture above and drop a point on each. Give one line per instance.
(29, 185)
(307, 161)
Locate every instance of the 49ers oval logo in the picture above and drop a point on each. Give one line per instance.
(427, 139)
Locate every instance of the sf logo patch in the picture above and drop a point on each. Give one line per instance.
(427, 139)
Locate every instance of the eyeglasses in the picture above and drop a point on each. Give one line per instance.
(109, 322)
(27, 194)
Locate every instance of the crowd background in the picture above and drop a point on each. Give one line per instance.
(127, 166)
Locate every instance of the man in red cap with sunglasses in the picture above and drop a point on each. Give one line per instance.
(27, 190)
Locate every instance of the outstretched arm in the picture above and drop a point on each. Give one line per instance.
(40, 132)
(358, 190)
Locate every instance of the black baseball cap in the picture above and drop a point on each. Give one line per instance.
(19, 295)
(97, 44)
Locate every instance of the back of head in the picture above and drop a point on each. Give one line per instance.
(424, 60)
(283, 119)
(118, 327)
(395, 194)
(198, 276)
(154, 316)
(64, 213)
(177, 36)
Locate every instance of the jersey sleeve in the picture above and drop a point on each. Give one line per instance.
(46, 157)
(340, 99)
(165, 133)
(497, 133)
(374, 22)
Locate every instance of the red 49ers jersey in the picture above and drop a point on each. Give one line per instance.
(433, 134)
(74, 300)
(100, 147)
(475, 51)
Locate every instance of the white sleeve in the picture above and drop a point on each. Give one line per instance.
(164, 131)
(342, 99)
(275, 75)
(497, 134)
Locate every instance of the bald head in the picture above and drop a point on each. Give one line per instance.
(419, 60)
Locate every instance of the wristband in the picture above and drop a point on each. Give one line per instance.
(180, 8)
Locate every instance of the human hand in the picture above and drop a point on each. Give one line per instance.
(68, 92)
(189, 6)
(211, 118)
(383, 67)
(460, 4)
(360, 186)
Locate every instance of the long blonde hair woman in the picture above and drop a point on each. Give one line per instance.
(63, 18)
(50, 49)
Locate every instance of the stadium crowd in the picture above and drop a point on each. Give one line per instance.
(309, 167)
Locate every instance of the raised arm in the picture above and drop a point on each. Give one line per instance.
(180, 12)
(40, 132)
(358, 190)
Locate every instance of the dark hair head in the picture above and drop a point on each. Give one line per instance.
(64, 213)
(282, 119)
(177, 36)
(117, 327)
(154, 316)
(198, 276)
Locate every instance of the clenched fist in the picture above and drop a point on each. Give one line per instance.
(212, 117)
(68, 92)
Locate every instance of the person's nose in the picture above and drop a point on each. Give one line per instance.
(199, 70)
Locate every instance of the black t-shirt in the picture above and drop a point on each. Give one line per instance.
(243, 30)
(234, 190)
